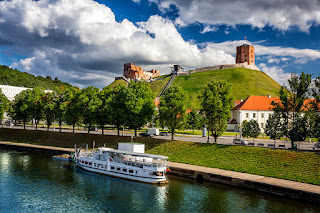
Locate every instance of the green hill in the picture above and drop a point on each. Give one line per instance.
(118, 82)
(244, 82)
(13, 77)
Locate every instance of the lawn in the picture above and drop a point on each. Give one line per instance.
(157, 86)
(284, 164)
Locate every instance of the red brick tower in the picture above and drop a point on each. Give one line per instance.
(245, 53)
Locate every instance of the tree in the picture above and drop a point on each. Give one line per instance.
(216, 104)
(193, 120)
(119, 112)
(19, 110)
(292, 105)
(103, 115)
(73, 109)
(4, 104)
(140, 105)
(172, 108)
(48, 101)
(35, 105)
(89, 104)
(273, 126)
(250, 129)
(60, 107)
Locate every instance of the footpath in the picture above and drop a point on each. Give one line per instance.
(302, 191)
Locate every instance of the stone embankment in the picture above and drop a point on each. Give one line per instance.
(302, 191)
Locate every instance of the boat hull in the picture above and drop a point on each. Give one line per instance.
(124, 176)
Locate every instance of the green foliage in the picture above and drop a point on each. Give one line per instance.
(173, 108)
(216, 103)
(291, 107)
(140, 104)
(12, 77)
(35, 105)
(157, 86)
(103, 114)
(273, 126)
(244, 82)
(250, 129)
(73, 108)
(193, 120)
(4, 104)
(118, 107)
(88, 103)
(49, 106)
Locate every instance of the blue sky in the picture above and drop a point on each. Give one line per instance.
(86, 42)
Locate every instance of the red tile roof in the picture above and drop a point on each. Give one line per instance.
(256, 103)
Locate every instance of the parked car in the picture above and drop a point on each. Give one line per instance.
(316, 145)
(240, 141)
(145, 134)
(164, 134)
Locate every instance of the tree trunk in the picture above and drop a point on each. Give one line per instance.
(215, 138)
(135, 132)
(36, 124)
(24, 124)
(118, 128)
(89, 128)
(208, 137)
(60, 125)
(73, 127)
(48, 127)
(172, 133)
(102, 128)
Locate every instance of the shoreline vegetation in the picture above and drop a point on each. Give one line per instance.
(290, 165)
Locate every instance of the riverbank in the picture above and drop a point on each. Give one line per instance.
(302, 191)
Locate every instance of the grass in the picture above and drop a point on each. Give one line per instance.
(244, 82)
(284, 164)
(118, 82)
(157, 86)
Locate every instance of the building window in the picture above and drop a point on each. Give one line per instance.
(262, 115)
(247, 115)
(254, 115)
(262, 125)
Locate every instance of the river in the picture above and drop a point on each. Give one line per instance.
(33, 182)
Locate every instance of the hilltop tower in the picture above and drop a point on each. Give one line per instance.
(245, 54)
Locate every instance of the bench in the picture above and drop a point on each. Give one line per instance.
(250, 144)
(281, 146)
(261, 144)
(271, 145)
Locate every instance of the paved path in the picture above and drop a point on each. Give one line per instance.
(256, 178)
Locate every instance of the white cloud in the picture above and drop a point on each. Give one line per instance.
(280, 14)
(208, 28)
(276, 73)
(261, 50)
(80, 41)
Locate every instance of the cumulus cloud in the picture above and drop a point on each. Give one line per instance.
(277, 73)
(261, 50)
(279, 14)
(80, 41)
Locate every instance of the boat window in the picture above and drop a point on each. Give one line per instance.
(112, 167)
(90, 164)
(124, 170)
(118, 169)
(131, 171)
(152, 173)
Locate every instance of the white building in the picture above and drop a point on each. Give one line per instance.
(254, 107)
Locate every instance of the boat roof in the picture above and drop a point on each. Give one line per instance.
(133, 153)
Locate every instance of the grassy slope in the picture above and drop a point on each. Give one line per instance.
(157, 86)
(118, 82)
(296, 166)
(244, 82)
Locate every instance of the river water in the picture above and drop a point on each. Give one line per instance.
(33, 182)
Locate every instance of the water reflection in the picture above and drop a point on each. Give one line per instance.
(35, 183)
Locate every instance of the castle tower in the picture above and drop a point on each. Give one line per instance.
(245, 53)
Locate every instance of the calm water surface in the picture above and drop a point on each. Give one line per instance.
(33, 182)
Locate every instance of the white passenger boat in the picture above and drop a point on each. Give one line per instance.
(128, 162)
